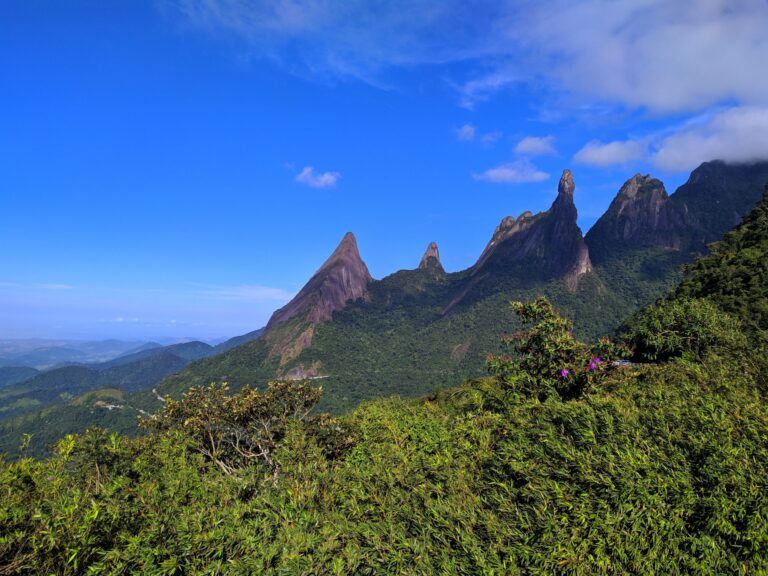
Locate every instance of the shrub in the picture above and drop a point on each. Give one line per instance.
(547, 358)
(683, 327)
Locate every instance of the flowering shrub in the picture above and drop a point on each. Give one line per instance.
(547, 359)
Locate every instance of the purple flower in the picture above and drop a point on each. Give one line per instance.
(595, 361)
(564, 372)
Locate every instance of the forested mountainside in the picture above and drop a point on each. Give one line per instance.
(558, 457)
(416, 330)
(69, 399)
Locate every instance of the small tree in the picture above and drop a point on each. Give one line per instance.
(546, 358)
(235, 431)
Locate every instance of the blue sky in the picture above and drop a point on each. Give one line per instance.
(180, 168)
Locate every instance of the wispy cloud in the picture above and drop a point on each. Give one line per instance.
(641, 54)
(309, 177)
(517, 172)
(37, 286)
(484, 87)
(466, 133)
(596, 153)
(536, 146)
(490, 138)
(471, 133)
(123, 319)
(645, 54)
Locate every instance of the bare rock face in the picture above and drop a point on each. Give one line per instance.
(549, 243)
(343, 277)
(718, 195)
(431, 258)
(534, 248)
(641, 214)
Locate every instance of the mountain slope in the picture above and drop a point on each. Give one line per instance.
(414, 331)
(641, 215)
(651, 469)
(130, 373)
(735, 274)
(14, 374)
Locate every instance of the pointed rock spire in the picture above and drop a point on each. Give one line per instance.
(549, 242)
(431, 258)
(566, 185)
(342, 277)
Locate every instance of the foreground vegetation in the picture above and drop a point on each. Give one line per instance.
(629, 469)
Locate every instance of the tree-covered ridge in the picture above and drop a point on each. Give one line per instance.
(722, 299)
(735, 274)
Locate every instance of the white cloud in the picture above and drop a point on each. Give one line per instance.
(466, 133)
(536, 146)
(654, 54)
(484, 87)
(517, 172)
(470, 133)
(735, 135)
(660, 55)
(320, 180)
(596, 153)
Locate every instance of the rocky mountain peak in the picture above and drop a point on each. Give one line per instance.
(641, 215)
(566, 186)
(346, 252)
(717, 195)
(549, 242)
(431, 257)
(641, 185)
(342, 277)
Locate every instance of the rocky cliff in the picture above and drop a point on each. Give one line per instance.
(343, 277)
(431, 258)
(549, 244)
(642, 214)
(717, 195)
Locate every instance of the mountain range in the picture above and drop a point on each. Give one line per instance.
(25, 390)
(420, 329)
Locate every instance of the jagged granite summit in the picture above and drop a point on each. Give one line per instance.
(343, 277)
(431, 258)
(642, 214)
(549, 242)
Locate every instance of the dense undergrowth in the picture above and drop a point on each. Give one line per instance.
(651, 469)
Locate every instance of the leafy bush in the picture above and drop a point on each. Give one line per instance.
(683, 327)
(547, 358)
